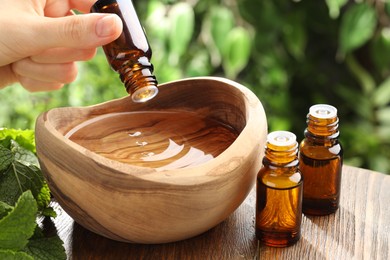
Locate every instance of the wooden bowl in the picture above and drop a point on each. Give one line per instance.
(140, 204)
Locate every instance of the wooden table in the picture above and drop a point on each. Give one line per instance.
(358, 230)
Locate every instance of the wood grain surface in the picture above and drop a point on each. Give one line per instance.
(358, 230)
(149, 205)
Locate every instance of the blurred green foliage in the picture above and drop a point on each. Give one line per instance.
(292, 54)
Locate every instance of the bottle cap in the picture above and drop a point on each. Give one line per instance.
(323, 111)
(281, 138)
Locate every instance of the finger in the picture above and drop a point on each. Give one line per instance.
(77, 31)
(7, 76)
(83, 6)
(58, 8)
(33, 85)
(64, 55)
(54, 73)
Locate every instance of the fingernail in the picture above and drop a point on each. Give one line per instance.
(107, 25)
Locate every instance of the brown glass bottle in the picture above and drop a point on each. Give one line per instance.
(279, 192)
(320, 161)
(130, 54)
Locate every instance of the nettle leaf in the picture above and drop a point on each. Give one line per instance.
(182, 23)
(43, 200)
(19, 225)
(46, 248)
(6, 158)
(4, 209)
(334, 7)
(381, 96)
(25, 138)
(357, 27)
(19, 178)
(23, 155)
(19, 172)
(12, 255)
(237, 51)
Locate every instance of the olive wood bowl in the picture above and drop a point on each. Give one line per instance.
(139, 204)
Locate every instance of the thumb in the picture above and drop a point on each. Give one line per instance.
(79, 31)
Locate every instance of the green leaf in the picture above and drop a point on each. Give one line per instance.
(49, 212)
(157, 23)
(221, 21)
(23, 155)
(383, 115)
(199, 64)
(19, 225)
(383, 132)
(182, 23)
(357, 27)
(46, 248)
(353, 97)
(12, 255)
(20, 172)
(6, 158)
(380, 50)
(334, 7)
(43, 199)
(387, 7)
(365, 79)
(4, 209)
(381, 96)
(237, 51)
(294, 35)
(25, 138)
(18, 179)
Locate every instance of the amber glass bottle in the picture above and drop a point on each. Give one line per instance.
(320, 161)
(279, 192)
(130, 54)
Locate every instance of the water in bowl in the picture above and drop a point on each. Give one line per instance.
(162, 140)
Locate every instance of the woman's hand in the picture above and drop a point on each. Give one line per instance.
(40, 41)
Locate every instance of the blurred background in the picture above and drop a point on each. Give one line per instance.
(291, 54)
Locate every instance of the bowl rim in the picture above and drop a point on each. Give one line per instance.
(253, 109)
